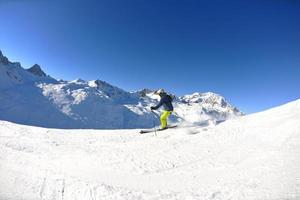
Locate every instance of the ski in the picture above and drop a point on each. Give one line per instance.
(153, 130)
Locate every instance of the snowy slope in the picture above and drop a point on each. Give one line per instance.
(31, 97)
(253, 157)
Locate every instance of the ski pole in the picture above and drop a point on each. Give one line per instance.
(154, 121)
(154, 113)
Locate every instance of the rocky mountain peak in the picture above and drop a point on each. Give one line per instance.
(197, 97)
(145, 91)
(36, 70)
(3, 59)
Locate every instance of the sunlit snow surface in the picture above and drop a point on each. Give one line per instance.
(252, 157)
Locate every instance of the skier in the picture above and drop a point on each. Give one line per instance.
(166, 102)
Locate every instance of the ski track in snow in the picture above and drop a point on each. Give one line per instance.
(253, 157)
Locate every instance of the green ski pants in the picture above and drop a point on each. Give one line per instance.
(164, 118)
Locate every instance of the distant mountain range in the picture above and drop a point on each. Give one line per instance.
(31, 97)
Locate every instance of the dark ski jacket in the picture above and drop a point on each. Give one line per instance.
(166, 102)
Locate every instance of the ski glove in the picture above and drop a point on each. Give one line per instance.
(152, 108)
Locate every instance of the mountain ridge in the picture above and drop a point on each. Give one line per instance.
(29, 95)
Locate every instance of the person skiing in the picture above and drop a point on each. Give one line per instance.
(166, 102)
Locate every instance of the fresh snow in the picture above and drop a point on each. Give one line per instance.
(253, 157)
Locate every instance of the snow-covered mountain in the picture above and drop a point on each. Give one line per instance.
(34, 98)
(253, 157)
(205, 108)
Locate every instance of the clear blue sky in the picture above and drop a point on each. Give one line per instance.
(246, 50)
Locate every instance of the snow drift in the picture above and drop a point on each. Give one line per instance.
(250, 158)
